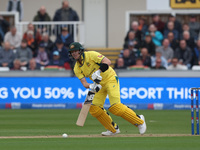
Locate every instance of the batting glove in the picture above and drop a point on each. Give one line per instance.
(95, 87)
(96, 77)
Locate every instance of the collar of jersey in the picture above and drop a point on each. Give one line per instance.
(82, 59)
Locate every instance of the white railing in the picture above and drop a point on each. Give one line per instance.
(76, 28)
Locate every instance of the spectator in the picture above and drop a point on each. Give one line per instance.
(36, 34)
(16, 6)
(158, 23)
(24, 54)
(135, 52)
(148, 43)
(177, 24)
(189, 40)
(56, 61)
(190, 43)
(186, 27)
(32, 44)
(172, 42)
(139, 64)
(65, 13)
(64, 55)
(32, 64)
(146, 59)
(129, 58)
(66, 37)
(175, 65)
(184, 54)
(120, 64)
(17, 65)
(194, 26)
(131, 40)
(47, 43)
(166, 50)
(42, 56)
(158, 65)
(157, 36)
(42, 15)
(170, 28)
(3, 28)
(142, 25)
(197, 53)
(13, 37)
(158, 56)
(138, 33)
(6, 56)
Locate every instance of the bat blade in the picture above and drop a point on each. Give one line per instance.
(83, 115)
(85, 109)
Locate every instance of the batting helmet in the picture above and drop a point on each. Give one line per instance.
(74, 47)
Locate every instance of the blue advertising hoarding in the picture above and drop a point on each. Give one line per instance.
(69, 90)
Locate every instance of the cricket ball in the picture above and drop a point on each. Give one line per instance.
(64, 135)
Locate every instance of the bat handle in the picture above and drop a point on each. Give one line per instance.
(94, 85)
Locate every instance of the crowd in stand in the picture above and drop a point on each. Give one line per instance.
(34, 49)
(161, 45)
(157, 45)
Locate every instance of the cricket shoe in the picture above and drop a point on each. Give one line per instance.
(142, 127)
(109, 133)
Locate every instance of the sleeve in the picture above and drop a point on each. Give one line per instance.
(55, 18)
(96, 57)
(158, 35)
(189, 57)
(76, 18)
(78, 73)
(164, 62)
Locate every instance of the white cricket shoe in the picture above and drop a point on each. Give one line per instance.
(142, 127)
(109, 133)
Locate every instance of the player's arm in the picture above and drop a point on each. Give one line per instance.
(94, 87)
(85, 83)
(105, 61)
(104, 65)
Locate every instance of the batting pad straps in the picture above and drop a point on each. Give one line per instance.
(126, 113)
(102, 117)
(103, 67)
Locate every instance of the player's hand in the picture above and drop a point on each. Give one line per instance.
(96, 76)
(95, 87)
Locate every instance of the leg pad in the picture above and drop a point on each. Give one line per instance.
(126, 113)
(103, 117)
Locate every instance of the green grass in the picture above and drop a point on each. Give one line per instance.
(119, 143)
(57, 122)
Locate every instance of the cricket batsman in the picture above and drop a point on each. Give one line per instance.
(97, 67)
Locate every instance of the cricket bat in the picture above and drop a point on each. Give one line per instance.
(85, 109)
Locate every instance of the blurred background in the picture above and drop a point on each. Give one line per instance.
(153, 45)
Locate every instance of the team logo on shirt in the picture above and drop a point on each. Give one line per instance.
(88, 64)
(99, 56)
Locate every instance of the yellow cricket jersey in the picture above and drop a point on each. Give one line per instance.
(91, 63)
